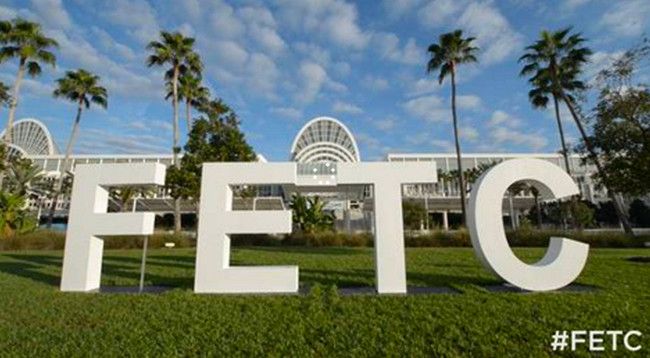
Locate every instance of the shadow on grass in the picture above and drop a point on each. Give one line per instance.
(31, 267)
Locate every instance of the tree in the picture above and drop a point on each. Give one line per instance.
(14, 218)
(176, 50)
(23, 177)
(557, 63)
(549, 61)
(621, 126)
(413, 214)
(25, 41)
(214, 137)
(192, 92)
(308, 214)
(82, 88)
(5, 96)
(451, 51)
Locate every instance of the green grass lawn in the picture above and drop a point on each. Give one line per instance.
(36, 319)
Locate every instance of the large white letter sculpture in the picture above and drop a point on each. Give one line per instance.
(217, 221)
(564, 259)
(387, 180)
(82, 260)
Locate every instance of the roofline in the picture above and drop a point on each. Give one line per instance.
(479, 155)
(347, 131)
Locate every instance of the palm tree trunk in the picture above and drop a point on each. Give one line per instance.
(461, 175)
(176, 149)
(565, 152)
(12, 110)
(620, 213)
(188, 110)
(64, 168)
(14, 101)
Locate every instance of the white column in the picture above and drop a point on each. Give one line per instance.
(445, 220)
(387, 179)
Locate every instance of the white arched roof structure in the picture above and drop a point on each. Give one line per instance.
(324, 139)
(31, 137)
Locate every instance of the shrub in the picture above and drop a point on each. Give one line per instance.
(55, 240)
(328, 238)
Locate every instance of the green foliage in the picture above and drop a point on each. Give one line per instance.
(581, 214)
(14, 218)
(55, 240)
(621, 126)
(328, 238)
(81, 87)
(216, 138)
(24, 178)
(451, 50)
(26, 41)
(475, 323)
(308, 214)
(414, 215)
(5, 96)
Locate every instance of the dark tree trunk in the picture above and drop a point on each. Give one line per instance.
(461, 175)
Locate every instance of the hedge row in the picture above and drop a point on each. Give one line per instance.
(49, 240)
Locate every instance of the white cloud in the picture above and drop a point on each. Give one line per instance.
(627, 18)
(313, 76)
(599, 61)
(468, 133)
(375, 83)
(289, 112)
(468, 102)
(398, 8)
(370, 141)
(52, 13)
(493, 32)
(231, 53)
(388, 45)
(263, 74)
(439, 12)
(135, 15)
(343, 107)
(422, 86)
(502, 135)
(501, 118)
(385, 124)
(445, 145)
(314, 52)
(495, 36)
(7, 13)
(504, 128)
(110, 45)
(429, 108)
(333, 20)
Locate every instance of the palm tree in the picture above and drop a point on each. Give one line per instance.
(192, 91)
(82, 88)
(556, 61)
(25, 41)
(175, 50)
(552, 61)
(446, 55)
(5, 96)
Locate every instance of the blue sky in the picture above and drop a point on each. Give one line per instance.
(279, 63)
